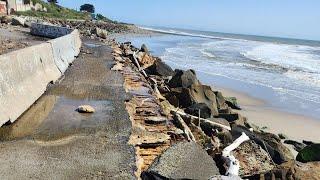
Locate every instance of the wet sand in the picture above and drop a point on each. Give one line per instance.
(295, 127)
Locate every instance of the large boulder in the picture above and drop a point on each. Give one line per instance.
(196, 93)
(309, 154)
(297, 146)
(145, 59)
(183, 79)
(205, 111)
(160, 68)
(101, 33)
(185, 160)
(221, 102)
(204, 94)
(144, 48)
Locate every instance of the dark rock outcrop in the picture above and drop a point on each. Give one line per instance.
(309, 154)
(221, 102)
(232, 102)
(308, 143)
(144, 48)
(205, 111)
(183, 79)
(185, 160)
(160, 68)
(297, 146)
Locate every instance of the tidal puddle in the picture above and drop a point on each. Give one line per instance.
(92, 45)
(55, 117)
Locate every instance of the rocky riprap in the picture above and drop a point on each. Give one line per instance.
(91, 29)
(171, 107)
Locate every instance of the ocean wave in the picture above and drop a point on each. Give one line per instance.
(206, 53)
(305, 77)
(181, 33)
(290, 57)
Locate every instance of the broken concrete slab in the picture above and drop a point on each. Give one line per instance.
(185, 160)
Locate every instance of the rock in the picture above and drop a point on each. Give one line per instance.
(117, 67)
(309, 154)
(6, 19)
(183, 79)
(307, 142)
(18, 21)
(297, 146)
(225, 137)
(160, 68)
(85, 109)
(234, 118)
(185, 160)
(207, 128)
(269, 142)
(101, 33)
(221, 102)
(204, 94)
(144, 48)
(145, 59)
(205, 111)
(291, 170)
(185, 97)
(232, 102)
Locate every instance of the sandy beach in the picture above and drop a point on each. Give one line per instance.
(294, 126)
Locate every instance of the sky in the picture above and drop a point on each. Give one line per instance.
(280, 18)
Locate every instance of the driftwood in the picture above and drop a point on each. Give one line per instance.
(232, 162)
(202, 120)
(138, 65)
(184, 127)
(156, 90)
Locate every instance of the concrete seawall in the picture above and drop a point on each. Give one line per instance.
(25, 73)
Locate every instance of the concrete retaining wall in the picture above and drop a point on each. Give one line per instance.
(65, 49)
(25, 73)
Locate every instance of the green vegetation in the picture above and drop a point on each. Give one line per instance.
(310, 153)
(100, 17)
(56, 11)
(87, 8)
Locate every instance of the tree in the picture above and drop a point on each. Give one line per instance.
(53, 1)
(87, 8)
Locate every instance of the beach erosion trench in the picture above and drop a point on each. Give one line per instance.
(25, 73)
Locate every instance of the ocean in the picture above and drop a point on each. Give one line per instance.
(285, 73)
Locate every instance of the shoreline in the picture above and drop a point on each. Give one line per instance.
(295, 127)
(258, 111)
